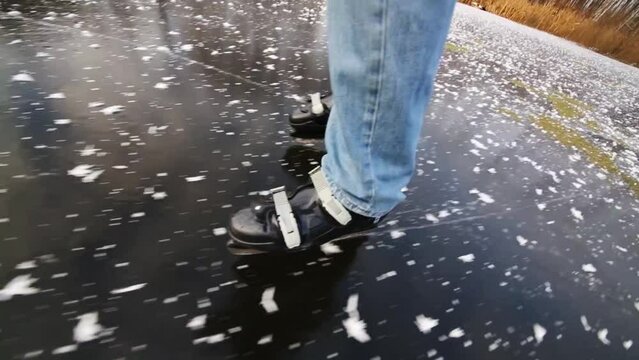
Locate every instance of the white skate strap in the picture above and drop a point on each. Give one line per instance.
(316, 104)
(329, 203)
(285, 218)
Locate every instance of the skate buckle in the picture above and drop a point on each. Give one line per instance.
(316, 104)
(285, 217)
(330, 204)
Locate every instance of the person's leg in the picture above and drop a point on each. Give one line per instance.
(383, 58)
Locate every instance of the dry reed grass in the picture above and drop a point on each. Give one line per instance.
(601, 36)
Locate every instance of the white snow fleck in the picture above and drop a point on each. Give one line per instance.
(95, 104)
(195, 178)
(622, 249)
(20, 285)
(468, 258)
(62, 121)
(80, 170)
(541, 206)
(602, 335)
(387, 275)
(637, 305)
(138, 214)
(355, 327)
(65, 349)
(120, 167)
(128, 289)
(92, 176)
(396, 234)
(170, 300)
(42, 54)
(539, 332)
(627, 344)
(584, 323)
(588, 268)
(521, 240)
(425, 324)
(113, 109)
(456, 333)
(268, 302)
(213, 339)
(478, 144)
(22, 77)
(219, 231)
(159, 195)
(56, 96)
(265, 339)
(351, 304)
(577, 214)
(161, 86)
(433, 218)
(26, 265)
(14, 13)
(482, 196)
(197, 322)
(187, 47)
(32, 354)
(330, 249)
(87, 328)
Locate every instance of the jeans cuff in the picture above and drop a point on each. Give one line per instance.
(354, 205)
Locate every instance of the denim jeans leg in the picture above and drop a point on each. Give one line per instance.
(383, 58)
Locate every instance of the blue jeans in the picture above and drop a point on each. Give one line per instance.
(383, 58)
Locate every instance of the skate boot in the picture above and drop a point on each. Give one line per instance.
(310, 217)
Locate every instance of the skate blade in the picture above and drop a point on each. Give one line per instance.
(237, 249)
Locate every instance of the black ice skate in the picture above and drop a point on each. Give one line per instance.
(307, 219)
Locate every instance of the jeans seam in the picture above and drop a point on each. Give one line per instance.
(375, 110)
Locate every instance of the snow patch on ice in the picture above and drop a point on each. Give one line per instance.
(539, 332)
(22, 77)
(87, 328)
(268, 301)
(602, 335)
(355, 327)
(20, 285)
(425, 324)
